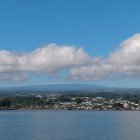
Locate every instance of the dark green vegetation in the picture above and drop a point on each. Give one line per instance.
(5, 103)
(71, 100)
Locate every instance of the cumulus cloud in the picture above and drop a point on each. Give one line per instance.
(46, 60)
(122, 63)
(51, 59)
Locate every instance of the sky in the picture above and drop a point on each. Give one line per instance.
(70, 41)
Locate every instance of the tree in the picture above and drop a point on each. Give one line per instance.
(78, 100)
(5, 102)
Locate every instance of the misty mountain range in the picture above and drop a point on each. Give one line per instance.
(58, 87)
(67, 87)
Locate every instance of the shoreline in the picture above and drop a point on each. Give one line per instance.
(69, 110)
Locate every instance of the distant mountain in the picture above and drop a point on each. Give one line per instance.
(57, 87)
(67, 87)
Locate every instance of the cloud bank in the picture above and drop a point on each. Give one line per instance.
(43, 61)
(122, 63)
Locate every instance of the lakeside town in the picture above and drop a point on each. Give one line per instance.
(60, 102)
(70, 102)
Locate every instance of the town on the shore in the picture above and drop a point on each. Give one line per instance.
(70, 102)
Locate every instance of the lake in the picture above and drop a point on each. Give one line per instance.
(69, 125)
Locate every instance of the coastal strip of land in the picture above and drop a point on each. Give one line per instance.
(70, 101)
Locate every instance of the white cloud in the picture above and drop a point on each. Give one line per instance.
(122, 63)
(8, 62)
(51, 59)
(47, 60)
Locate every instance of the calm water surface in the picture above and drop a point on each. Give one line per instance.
(69, 125)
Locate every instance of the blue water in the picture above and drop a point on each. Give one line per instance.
(69, 125)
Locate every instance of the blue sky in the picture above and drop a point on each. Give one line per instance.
(95, 25)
